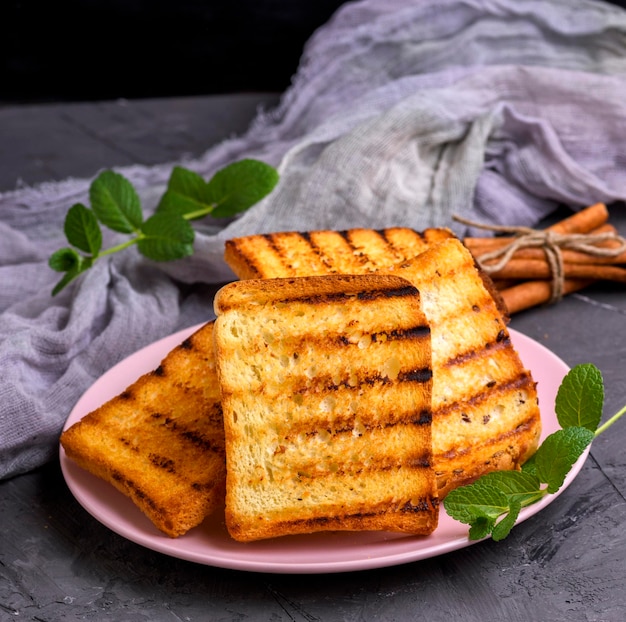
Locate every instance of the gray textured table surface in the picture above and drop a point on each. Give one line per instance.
(57, 563)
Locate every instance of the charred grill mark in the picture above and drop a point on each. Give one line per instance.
(253, 267)
(319, 252)
(339, 297)
(414, 332)
(128, 444)
(162, 462)
(422, 505)
(374, 294)
(189, 435)
(384, 234)
(361, 254)
(272, 241)
(326, 384)
(187, 344)
(134, 490)
(425, 418)
(493, 346)
(421, 331)
(416, 375)
(520, 381)
(523, 427)
(345, 425)
(159, 371)
(417, 462)
(357, 253)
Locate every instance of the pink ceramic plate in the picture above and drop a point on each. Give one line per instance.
(210, 544)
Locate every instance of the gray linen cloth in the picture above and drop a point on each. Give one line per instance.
(401, 113)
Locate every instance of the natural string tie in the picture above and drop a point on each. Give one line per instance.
(552, 244)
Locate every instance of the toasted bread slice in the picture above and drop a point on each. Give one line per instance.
(485, 406)
(326, 392)
(354, 251)
(485, 412)
(161, 441)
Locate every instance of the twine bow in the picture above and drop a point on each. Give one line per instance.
(552, 244)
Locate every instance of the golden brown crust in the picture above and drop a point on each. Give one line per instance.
(474, 360)
(161, 441)
(485, 407)
(325, 387)
(353, 251)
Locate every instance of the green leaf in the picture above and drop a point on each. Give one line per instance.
(69, 261)
(519, 486)
(501, 493)
(481, 528)
(69, 276)
(502, 529)
(82, 229)
(240, 185)
(529, 466)
(580, 398)
(478, 501)
(64, 260)
(165, 237)
(187, 193)
(558, 452)
(115, 202)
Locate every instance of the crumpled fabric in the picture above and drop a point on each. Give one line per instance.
(401, 113)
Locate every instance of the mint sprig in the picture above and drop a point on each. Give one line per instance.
(167, 235)
(491, 505)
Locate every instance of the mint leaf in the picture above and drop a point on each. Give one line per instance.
(519, 486)
(165, 237)
(481, 527)
(580, 398)
(557, 454)
(240, 185)
(478, 502)
(502, 529)
(64, 260)
(82, 229)
(115, 202)
(502, 494)
(187, 193)
(69, 261)
(491, 496)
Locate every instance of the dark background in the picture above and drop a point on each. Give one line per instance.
(84, 50)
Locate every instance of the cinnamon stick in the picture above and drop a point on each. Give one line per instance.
(584, 221)
(534, 293)
(540, 269)
(481, 246)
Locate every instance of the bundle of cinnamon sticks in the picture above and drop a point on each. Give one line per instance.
(527, 279)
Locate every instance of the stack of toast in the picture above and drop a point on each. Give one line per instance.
(485, 411)
(350, 380)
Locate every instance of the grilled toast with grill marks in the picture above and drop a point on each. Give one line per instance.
(326, 393)
(485, 406)
(161, 441)
(485, 412)
(354, 251)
